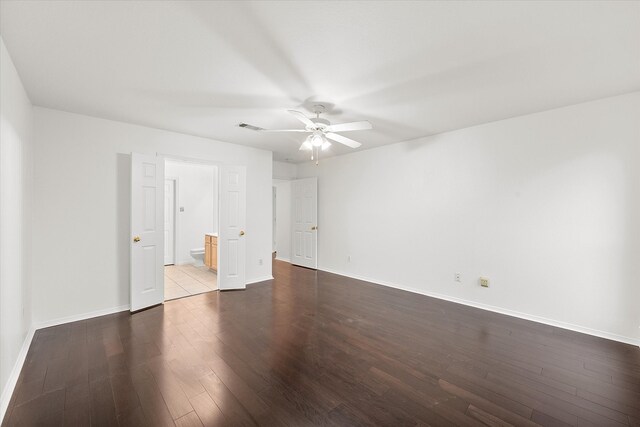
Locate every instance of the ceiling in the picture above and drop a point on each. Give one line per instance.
(411, 68)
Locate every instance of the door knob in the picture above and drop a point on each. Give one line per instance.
(242, 232)
(136, 239)
(315, 227)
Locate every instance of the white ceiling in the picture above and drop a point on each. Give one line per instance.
(411, 68)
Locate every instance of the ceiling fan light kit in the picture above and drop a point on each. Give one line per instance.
(321, 131)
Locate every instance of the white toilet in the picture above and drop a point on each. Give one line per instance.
(198, 255)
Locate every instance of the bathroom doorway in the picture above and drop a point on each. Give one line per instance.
(191, 228)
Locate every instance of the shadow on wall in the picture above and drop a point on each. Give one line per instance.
(123, 227)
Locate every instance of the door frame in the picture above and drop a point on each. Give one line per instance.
(176, 222)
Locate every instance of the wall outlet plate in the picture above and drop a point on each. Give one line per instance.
(484, 282)
(457, 277)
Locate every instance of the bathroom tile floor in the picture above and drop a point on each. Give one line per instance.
(184, 280)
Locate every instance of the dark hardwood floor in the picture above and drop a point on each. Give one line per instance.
(314, 348)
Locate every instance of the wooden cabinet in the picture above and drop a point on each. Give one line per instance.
(211, 251)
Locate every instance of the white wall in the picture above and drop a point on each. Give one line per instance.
(283, 170)
(198, 195)
(546, 206)
(283, 219)
(16, 171)
(82, 200)
(283, 173)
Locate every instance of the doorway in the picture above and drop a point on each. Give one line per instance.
(147, 263)
(191, 226)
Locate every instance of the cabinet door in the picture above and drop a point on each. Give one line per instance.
(214, 257)
(207, 254)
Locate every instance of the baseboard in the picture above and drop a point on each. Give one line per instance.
(10, 386)
(283, 259)
(83, 316)
(262, 279)
(506, 311)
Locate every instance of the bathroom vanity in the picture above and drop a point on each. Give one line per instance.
(211, 250)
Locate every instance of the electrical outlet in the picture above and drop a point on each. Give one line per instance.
(484, 282)
(457, 277)
(348, 258)
(260, 261)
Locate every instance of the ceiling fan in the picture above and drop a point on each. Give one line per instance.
(321, 131)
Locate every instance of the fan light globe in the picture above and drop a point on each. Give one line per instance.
(326, 145)
(306, 145)
(317, 140)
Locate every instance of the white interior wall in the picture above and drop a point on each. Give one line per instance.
(283, 173)
(198, 195)
(16, 173)
(283, 219)
(545, 205)
(284, 170)
(82, 208)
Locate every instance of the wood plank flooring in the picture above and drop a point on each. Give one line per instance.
(314, 348)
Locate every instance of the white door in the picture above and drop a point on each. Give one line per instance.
(304, 233)
(231, 235)
(147, 248)
(169, 221)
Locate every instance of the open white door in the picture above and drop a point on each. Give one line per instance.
(304, 233)
(231, 234)
(147, 231)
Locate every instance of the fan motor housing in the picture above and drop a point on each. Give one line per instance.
(320, 121)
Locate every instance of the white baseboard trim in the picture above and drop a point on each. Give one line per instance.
(283, 259)
(83, 316)
(10, 386)
(506, 311)
(261, 279)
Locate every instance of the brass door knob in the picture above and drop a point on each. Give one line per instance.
(136, 239)
(242, 232)
(315, 227)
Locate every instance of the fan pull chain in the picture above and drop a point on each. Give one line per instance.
(315, 154)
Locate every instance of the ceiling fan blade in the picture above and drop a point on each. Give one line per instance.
(343, 140)
(300, 116)
(259, 129)
(285, 130)
(344, 127)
